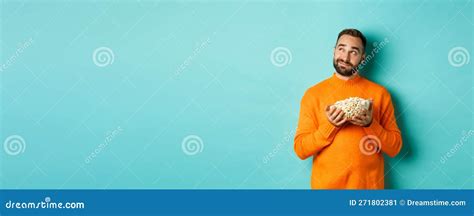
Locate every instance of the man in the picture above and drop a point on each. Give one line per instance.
(347, 152)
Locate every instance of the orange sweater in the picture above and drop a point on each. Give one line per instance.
(342, 157)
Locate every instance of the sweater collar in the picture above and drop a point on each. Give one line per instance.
(339, 81)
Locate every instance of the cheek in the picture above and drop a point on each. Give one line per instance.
(356, 60)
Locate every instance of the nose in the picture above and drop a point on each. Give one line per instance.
(347, 57)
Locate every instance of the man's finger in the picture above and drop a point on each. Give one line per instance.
(360, 118)
(357, 121)
(329, 113)
(335, 113)
(339, 116)
(343, 119)
(332, 109)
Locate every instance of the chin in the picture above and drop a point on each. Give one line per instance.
(344, 73)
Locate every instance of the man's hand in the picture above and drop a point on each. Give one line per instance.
(365, 119)
(335, 116)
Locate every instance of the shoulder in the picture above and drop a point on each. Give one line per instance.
(375, 87)
(317, 89)
(379, 93)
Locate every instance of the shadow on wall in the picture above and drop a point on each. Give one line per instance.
(393, 176)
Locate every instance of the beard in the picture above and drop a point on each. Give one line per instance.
(344, 70)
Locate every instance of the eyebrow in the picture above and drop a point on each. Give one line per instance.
(344, 45)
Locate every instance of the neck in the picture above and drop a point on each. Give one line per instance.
(345, 78)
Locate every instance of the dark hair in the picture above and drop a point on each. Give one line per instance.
(354, 33)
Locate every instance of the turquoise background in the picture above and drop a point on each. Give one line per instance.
(204, 68)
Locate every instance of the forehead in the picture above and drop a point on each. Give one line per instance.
(350, 41)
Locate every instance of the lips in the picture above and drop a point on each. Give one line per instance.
(344, 64)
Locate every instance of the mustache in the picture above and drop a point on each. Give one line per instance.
(345, 62)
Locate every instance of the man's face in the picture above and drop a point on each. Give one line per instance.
(348, 54)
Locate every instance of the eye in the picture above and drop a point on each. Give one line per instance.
(354, 52)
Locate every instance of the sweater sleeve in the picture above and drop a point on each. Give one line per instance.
(386, 128)
(312, 134)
